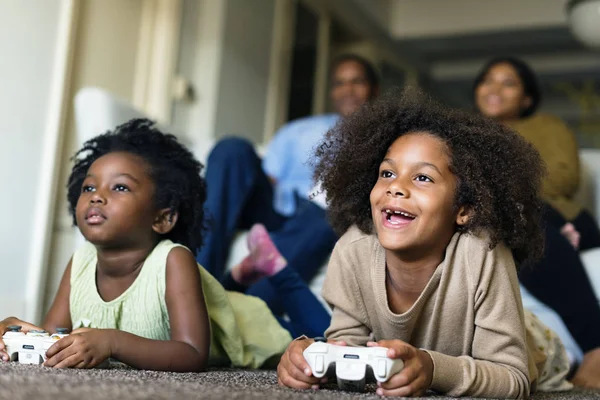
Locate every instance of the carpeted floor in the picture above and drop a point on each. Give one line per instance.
(33, 382)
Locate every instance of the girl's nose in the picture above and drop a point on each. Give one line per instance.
(397, 189)
(97, 198)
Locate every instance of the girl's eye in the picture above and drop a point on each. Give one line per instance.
(423, 178)
(87, 188)
(386, 174)
(121, 188)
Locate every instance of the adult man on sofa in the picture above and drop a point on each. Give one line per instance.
(243, 191)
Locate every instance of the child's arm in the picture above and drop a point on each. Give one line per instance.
(347, 327)
(498, 364)
(190, 331)
(59, 315)
(293, 370)
(349, 319)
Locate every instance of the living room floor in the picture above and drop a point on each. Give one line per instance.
(36, 382)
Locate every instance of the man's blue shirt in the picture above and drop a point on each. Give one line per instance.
(289, 158)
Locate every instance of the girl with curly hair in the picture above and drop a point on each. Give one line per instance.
(437, 207)
(134, 292)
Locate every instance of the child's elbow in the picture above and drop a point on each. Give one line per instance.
(202, 365)
(200, 360)
(190, 360)
(193, 364)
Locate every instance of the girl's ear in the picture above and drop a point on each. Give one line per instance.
(165, 221)
(463, 215)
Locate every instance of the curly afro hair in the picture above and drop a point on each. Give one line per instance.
(173, 169)
(499, 174)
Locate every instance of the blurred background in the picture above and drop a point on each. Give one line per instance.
(203, 69)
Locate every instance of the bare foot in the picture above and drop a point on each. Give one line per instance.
(267, 258)
(588, 373)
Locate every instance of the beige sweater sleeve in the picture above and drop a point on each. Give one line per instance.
(498, 367)
(341, 291)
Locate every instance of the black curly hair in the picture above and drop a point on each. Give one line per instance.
(173, 169)
(499, 174)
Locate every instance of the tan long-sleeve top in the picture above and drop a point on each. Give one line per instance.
(469, 317)
(558, 148)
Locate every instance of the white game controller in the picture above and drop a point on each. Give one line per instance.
(350, 363)
(30, 347)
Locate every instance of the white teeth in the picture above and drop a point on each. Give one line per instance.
(404, 214)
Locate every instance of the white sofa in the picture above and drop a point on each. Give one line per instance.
(97, 111)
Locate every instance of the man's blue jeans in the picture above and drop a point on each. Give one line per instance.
(239, 194)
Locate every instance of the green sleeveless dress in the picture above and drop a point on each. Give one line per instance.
(244, 332)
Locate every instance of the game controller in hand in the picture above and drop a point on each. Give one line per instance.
(30, 347)
(350, 363)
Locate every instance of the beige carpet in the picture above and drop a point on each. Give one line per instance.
(33, 382)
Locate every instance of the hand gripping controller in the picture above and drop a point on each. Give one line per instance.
(30, 347)
(350, 363)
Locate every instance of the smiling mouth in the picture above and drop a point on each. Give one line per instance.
(493, 100)
(397, 218)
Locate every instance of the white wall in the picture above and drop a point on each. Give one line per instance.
(105, 57)
(199, 63)
(28, 36)
(245, 68)
(225, 55)
(186, 63)
(422, 18)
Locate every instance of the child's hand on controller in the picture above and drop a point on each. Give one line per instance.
(25, 327)
(415, 378)
(293, 371)
(83, 348)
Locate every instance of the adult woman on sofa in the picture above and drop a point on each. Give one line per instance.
(506, 90)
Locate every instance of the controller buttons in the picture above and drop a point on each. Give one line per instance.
(14, 328)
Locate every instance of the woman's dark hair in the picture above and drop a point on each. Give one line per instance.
(370, 73)
(531, 87)
(173, 169)
(498, 173)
